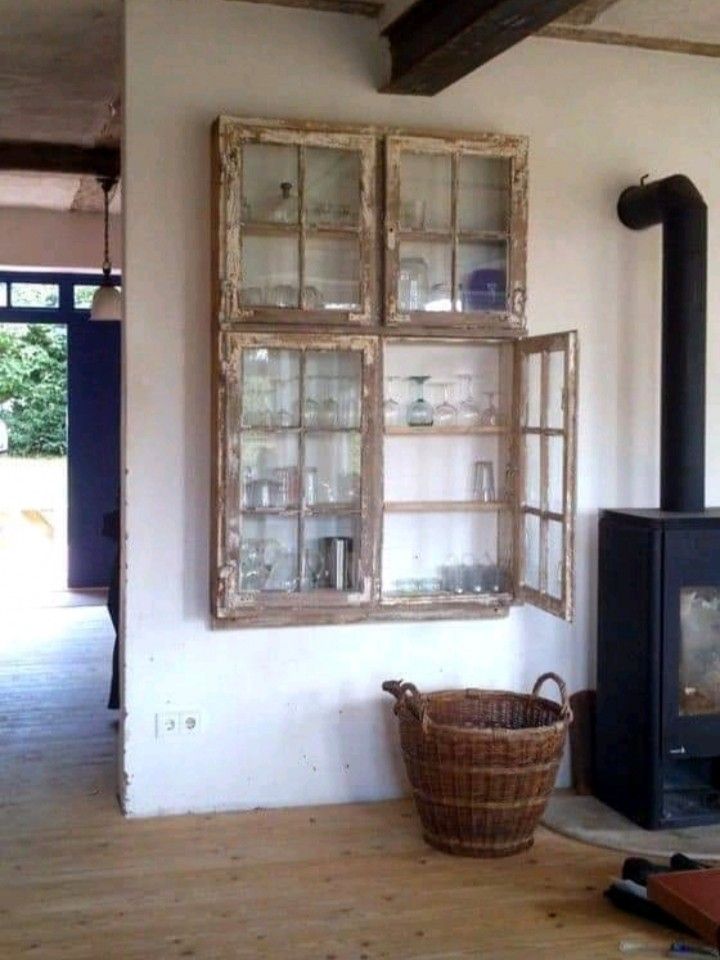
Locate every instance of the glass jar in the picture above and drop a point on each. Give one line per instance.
(419, 412)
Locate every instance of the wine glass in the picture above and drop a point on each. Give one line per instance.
(445, 412)
(311, 407)
(392, 409)
(490, 416)
(419, 413)
(468, 412)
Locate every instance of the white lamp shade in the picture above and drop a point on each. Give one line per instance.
(106, 304)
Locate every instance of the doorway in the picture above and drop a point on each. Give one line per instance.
(59, 430)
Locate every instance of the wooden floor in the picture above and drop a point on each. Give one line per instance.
(330, 883)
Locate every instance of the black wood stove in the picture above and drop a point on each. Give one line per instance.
(658, 686)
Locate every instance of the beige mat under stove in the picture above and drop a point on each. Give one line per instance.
(586, 819)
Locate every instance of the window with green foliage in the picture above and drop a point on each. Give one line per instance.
(45, 296)
(83, 296)
(3, 294)
(33, 388)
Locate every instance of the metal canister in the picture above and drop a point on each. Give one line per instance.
(337, 555)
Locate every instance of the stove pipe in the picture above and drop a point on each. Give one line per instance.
(676, 203)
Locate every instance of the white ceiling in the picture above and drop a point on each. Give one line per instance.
(61, 69)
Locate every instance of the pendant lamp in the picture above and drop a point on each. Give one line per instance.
(107, 302)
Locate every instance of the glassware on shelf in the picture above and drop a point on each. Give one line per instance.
(311, 407)
(468, 411)
(288, 489)
(280, 416)
(310, 486)
(282, 576)
(349, 487)
(283, 295)
(314, 299)
(392, 408)
(313, 578)
(413, 284)
(490, 416)
(419, 412)
(484, 481)
(328, 413)
(285, 209)
(445, 413)
(473, 574)
(452, 575)
(348, 402)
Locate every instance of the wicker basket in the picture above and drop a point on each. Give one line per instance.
(481, 763)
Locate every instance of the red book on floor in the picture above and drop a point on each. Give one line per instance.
(693, 897)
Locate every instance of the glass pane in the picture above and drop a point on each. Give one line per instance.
(83, 296)
(333, 386)
(424, 277)
(531, 551)
(332, 186)
(268, 555)
(41, 295)
(484, 194)
(330, 553)
(556, 555)
(556, 474)
(270, 178)
(271, 388)
(699, 678)
(332, 469)
(441, 553)
(270, 477)
(482, 276)
(556, 390)
(532, 470)
(425, 192)
(3, 294)
(332, 273)
(531, 407)
(272, 271)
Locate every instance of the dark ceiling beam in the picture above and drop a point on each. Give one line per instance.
(37, 157)
(435, 44)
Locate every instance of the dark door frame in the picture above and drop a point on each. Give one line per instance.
(88, 555)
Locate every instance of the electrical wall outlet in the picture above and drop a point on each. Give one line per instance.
(167, 724)
(189, 721)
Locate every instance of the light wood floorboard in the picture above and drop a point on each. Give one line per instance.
(78, 881)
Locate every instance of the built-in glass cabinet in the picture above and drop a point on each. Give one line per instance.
(389, 443)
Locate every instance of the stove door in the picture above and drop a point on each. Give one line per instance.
(691, 643)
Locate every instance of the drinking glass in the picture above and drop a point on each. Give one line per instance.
(311, 407)
(281, 415)
(413, 283)
(348, 402)
(328, 413)
(392, 408)
(468, 412)
(484, 481)
(419, 412)
(490, 416)
(445, 412)
(451, 575)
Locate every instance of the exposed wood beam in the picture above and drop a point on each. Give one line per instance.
(59, 158)
(363, 8)
(615, 38)
(587, 12)
(435, 44)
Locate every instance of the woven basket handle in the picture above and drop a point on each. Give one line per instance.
(565, 712)
(405, 693)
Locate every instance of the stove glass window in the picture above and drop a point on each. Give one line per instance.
(699, 651)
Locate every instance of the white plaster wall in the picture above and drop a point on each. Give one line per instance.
(296, 716)
(61, 240)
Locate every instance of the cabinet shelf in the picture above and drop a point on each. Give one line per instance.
(317, 510)
(311, 431)
(270, 229)
(445, 431)
(446, 236)
(445, 506)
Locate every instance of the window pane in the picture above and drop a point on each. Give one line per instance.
(425, 192)
(327, 563)
(272, 271)
(39, 295)
(271, 480)
(271, 384)
(556, 474)
(556, 390)
(481, 275)
(531, 568)
(332, 186)
(333, 382)
(268, 555)
(484, 194)
(270, 179)
(3, 294)
(332, 274)
(555, 548)
(531, 406)
(425, 277)
(83, 296)
(532, 470)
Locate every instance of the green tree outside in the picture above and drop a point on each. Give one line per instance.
(33, 388)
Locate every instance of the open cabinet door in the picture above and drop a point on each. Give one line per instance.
(546, 384)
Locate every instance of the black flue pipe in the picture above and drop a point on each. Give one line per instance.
(676, 203)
